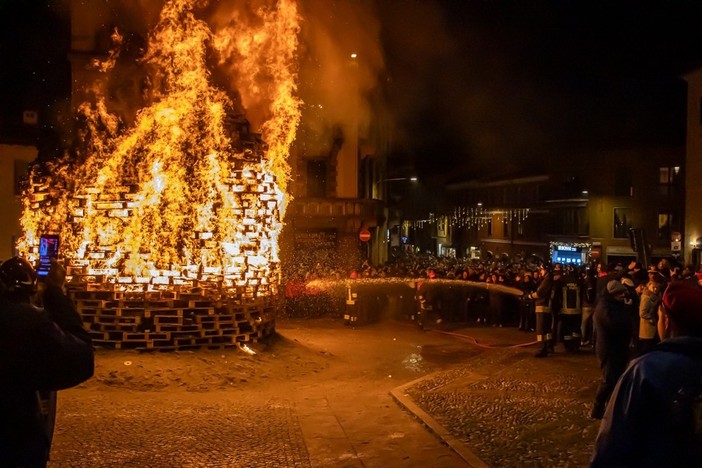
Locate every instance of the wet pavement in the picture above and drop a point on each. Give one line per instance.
(508, 408)
(385, 394)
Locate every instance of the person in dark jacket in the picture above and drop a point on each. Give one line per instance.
(544, 319)
(556, 306)
(613, 329)
(41, 350)
(570, 313)
(588, 294)
(604, 276)
(651, 418)
(426, 298)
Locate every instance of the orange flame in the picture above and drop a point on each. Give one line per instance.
(261, 56)
(186, 191)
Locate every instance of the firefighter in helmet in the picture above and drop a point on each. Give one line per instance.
(351, 313)
(571, 313)
(542, 306)
(425, 297)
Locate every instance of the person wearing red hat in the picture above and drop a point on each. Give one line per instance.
(652, 417)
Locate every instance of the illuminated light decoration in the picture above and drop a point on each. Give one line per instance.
(185, 201)
(479, 217)
(573, 253)
(420, 223)
(476, 216)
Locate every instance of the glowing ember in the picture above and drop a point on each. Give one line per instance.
(186, 192)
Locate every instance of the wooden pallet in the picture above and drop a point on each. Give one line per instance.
(170, 320)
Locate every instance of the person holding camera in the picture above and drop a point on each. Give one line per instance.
(42, 350)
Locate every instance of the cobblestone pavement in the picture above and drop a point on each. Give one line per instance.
(320, 396)
(511, 409)
(166, 429)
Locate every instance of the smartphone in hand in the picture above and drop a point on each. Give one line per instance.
(48, 250)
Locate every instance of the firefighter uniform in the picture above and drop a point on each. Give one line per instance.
(570, 315)
(351, 312)
(426, 293)
(425, 305)
(542, 309)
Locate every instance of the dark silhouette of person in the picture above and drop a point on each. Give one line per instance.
(42, 350)
(652, 418)
(613, 330)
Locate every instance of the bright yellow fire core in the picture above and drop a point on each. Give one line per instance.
(184, 192)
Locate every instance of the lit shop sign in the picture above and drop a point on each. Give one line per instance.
(567, 253)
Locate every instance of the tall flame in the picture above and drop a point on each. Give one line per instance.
(264, 78)
(186, 190)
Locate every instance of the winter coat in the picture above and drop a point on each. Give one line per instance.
(588, 291)
(613, 328)
(648, 314)
(542, 295)
(649, 418)
(40, 350)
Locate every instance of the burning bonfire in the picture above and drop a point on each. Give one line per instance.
(169, 224)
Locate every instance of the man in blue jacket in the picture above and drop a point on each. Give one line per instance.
(41, 350)
(653, 417)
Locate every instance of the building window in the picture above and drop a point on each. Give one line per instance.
(668, 179)
(665, 225)
(317, 179)
(505, 226)
(622, 223)
(622, 183)
(489, 226)
(570, 221)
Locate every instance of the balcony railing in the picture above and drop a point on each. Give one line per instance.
(361, 208)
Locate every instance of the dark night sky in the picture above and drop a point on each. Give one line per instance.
(470, 82)
(513, 81)
(34, 67)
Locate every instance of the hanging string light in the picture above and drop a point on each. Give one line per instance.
(473, 217)
(470, 217)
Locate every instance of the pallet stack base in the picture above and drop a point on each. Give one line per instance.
(171, 320)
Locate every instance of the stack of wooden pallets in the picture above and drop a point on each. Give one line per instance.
(170, 319)
(180, 306)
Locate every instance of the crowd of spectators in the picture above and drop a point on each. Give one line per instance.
(316, 290)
